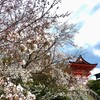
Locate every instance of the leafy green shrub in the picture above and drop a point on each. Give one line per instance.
(94, 85)
(17, 81)
(1, 92)
(45, 87)
(98, 92)
(60, 98)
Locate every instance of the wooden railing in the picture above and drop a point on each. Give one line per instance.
(93, 94)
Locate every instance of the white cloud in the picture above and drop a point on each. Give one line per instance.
(71, 5)
(96, 52)
(95, 71)
(91, 3)
(90, 32)
(74, 6)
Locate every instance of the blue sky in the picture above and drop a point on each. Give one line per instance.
(86, 13)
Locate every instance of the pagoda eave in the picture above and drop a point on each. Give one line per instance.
(81, 66)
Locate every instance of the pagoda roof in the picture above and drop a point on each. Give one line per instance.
(81, 60)
(81, 66)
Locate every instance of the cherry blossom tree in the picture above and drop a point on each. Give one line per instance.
(30, 37)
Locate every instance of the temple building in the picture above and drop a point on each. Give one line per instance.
(97, 76)
(81, 69)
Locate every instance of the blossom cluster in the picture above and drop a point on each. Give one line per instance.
(10, 91)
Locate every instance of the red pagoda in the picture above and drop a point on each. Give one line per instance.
(81, 68)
